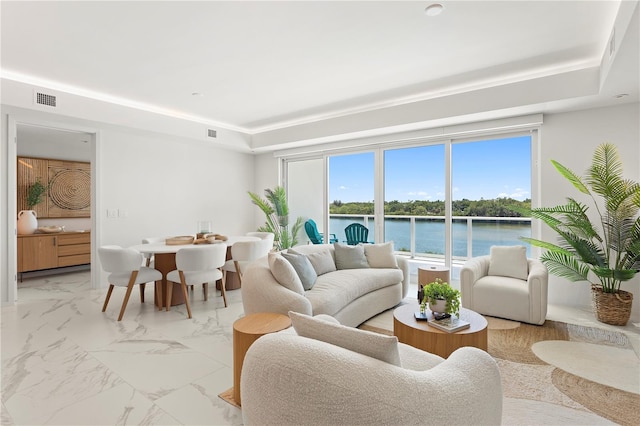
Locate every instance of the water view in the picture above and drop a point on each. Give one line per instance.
(430, 234)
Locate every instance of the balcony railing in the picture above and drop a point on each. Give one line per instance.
(424, 236)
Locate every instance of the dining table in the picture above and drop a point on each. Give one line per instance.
(165, 261)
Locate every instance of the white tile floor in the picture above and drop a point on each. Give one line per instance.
(64, 362)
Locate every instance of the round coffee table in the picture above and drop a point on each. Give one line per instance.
(419, 334)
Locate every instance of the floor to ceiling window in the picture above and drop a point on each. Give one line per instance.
(488, 178)
(351, 192)
(444, 200)
(414, 199)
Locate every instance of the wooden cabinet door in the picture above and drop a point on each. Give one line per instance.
(39, 253)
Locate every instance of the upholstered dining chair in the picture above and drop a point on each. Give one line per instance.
(125, 270)
(263, 236)
(356, 233)
(243, 253)
(198, 265)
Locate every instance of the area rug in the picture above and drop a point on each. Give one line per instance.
(559, 373)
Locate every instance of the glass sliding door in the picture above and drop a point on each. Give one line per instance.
(351, 192)
(488, 177)
(414, 200)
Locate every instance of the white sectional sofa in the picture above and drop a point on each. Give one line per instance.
(288, 379)
(352, 295)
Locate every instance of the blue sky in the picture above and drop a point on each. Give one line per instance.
(486, 169)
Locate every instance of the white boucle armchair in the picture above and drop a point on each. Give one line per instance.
(292, 380)
(505, 297)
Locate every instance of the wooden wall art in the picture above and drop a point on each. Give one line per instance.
(69, 193)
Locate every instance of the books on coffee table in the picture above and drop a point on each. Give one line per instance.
(450, 324)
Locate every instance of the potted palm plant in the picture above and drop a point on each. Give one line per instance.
(276, 210)
(441, 297)
(606, 253)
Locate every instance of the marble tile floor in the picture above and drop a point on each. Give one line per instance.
(64, 362)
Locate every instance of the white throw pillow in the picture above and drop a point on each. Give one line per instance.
(303, 268)
(380, 255)
(350, 257)
(284, 273)
(509, 261)
(379, 346)
(322, 262)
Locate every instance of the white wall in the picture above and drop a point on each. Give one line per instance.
(162, 183)
(571, 139)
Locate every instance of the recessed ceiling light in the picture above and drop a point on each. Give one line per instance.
(434, 9)
(197, 94)
(621, 95)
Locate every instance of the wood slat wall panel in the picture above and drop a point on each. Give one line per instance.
(70, 193)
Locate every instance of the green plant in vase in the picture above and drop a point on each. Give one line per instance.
(35, 193)
(439, 290)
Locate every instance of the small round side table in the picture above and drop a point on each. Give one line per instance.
(247, 330)
(428, 274)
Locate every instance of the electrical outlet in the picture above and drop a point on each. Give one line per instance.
(112, 213)
(123, 213)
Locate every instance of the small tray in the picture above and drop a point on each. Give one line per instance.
(178, 241)
(50, 229)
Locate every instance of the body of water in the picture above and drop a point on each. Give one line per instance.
(430, 236)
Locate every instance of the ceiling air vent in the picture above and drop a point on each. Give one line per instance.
(45, 99)
(212, 133)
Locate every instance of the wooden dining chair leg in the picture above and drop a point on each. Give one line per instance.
(142, 286)
(205, 289)
(169, 295)
(184, 292)
(158, 295)
(106, 300)
(223, 288)
(132, 280)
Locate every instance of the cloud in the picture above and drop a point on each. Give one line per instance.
(342, 187)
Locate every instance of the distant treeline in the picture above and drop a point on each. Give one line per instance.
(498, 207)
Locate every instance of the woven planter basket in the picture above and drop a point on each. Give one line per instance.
(612, 308)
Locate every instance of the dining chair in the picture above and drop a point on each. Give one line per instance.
(125, 270)
(148, 262)
(198, 265)
(243, 253)
(263, 236)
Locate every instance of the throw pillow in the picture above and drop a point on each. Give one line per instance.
(379, 346)
(284, 273)
(509, 261)
(303, 268)
(350, 257)
(322, 262)
(380, 255)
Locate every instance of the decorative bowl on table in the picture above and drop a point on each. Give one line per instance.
(51, 229)
(178, 241)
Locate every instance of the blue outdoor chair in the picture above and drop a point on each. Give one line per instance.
(315, 236)
(356, 233)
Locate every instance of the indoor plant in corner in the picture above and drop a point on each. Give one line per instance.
(606, 253)
(441, 297)
(276, 210)
(28, 219)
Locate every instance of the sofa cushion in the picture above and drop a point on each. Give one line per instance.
(379, 346)
(303, 268)
(350, 257)
(284, 273)
(334, 291)
(380, 255)
(509, 261)
(322, 261)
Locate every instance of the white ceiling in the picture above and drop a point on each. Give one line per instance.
(268, 65)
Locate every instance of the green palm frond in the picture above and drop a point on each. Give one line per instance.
(276, 210)
(610, 251)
